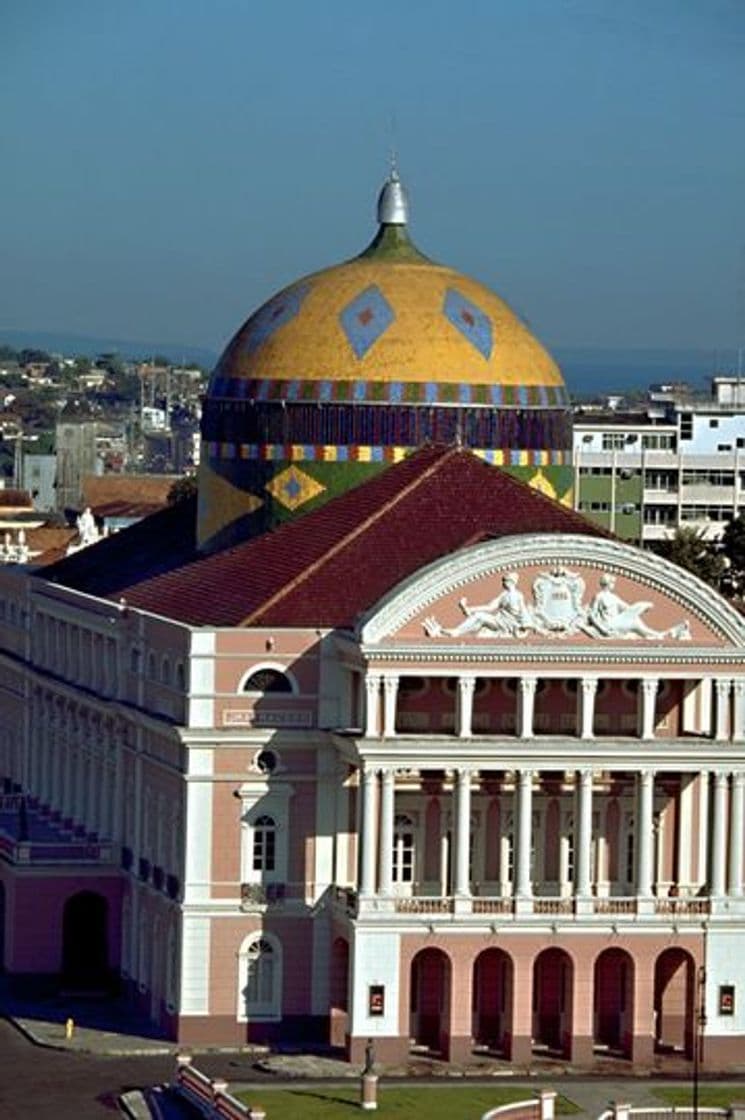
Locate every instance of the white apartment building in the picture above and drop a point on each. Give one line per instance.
(680, 460)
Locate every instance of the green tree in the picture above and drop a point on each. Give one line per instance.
(689, 549)
(112, 362)
(733, 547)
(183, 489)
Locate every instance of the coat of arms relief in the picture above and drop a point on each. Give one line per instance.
(558, 610)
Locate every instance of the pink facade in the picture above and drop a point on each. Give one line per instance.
(526, 842)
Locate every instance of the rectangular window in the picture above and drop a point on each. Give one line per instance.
(659, 442)
(264, 849)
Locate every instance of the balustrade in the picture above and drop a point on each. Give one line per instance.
(722, 719)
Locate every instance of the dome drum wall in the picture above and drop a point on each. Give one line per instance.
(354, 367)
(240, 433)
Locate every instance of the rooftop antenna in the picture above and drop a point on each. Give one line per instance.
(392, 151)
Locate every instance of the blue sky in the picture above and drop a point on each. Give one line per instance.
(167, 164)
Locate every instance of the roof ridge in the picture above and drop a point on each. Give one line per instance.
(349, 537)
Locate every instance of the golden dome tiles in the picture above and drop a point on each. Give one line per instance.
(438, 326)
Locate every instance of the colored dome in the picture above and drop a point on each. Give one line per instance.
(354, 367)
(389, 315)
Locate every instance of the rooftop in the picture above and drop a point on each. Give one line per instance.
(326, 568)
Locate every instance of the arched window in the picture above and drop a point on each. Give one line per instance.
(264, 844)
(260, 979)
(151, 663)
(180, 676)
(165, 671)
(134, 660)
(403, 849)
(268, 680)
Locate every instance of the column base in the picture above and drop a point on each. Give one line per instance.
(521, 1050)
(459, 1048)
(523, 905)
(581, 1051)
(642, 1050)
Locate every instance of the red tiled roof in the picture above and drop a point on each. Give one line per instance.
(15, 499)
(328, 567)
(126, 509)
(100, 489)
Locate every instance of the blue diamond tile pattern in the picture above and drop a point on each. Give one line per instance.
(274, 315)
(470, 320)
(365, 319)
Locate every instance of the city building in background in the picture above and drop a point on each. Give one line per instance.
(678, 459)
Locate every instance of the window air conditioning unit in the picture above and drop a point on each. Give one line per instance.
(626, 473)
(628, 507)
(632, 439)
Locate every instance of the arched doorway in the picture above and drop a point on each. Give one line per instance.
(85, 950)
(613, 1002)
(674, 976)
(552, 1002)
(429, 1001)
(492, 1002)
(339, 993)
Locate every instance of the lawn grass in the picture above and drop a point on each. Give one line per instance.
(406, 1102)
(709, 1096)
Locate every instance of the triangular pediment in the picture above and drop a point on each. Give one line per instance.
(534, 591)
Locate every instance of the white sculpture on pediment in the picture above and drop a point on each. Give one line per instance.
(609, 616)
(558, 612)
(507, 616)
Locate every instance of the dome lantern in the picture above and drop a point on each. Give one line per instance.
(393, 202)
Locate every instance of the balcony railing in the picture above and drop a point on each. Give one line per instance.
(554, 908)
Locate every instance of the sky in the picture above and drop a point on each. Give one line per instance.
(166, 165)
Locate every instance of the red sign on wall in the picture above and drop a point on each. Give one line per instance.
(726, 999)
(376, 1000)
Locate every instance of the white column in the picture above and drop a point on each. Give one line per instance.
(367, 832)
(390, 689)
(583, 835)
(466, 689)
(644, 833)
(372, 706)
(738, 714)
(736, 815)
(721, 725)
(117, 744)
(649, 687)
(387, 818)
(523, 884)
(719, 834)
(463, 833)
(588, 688)
(526, 693)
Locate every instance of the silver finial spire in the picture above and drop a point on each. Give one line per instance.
(393, 203)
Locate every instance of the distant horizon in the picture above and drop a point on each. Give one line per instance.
(625, 369)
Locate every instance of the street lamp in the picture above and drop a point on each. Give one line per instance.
(699, 1022)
